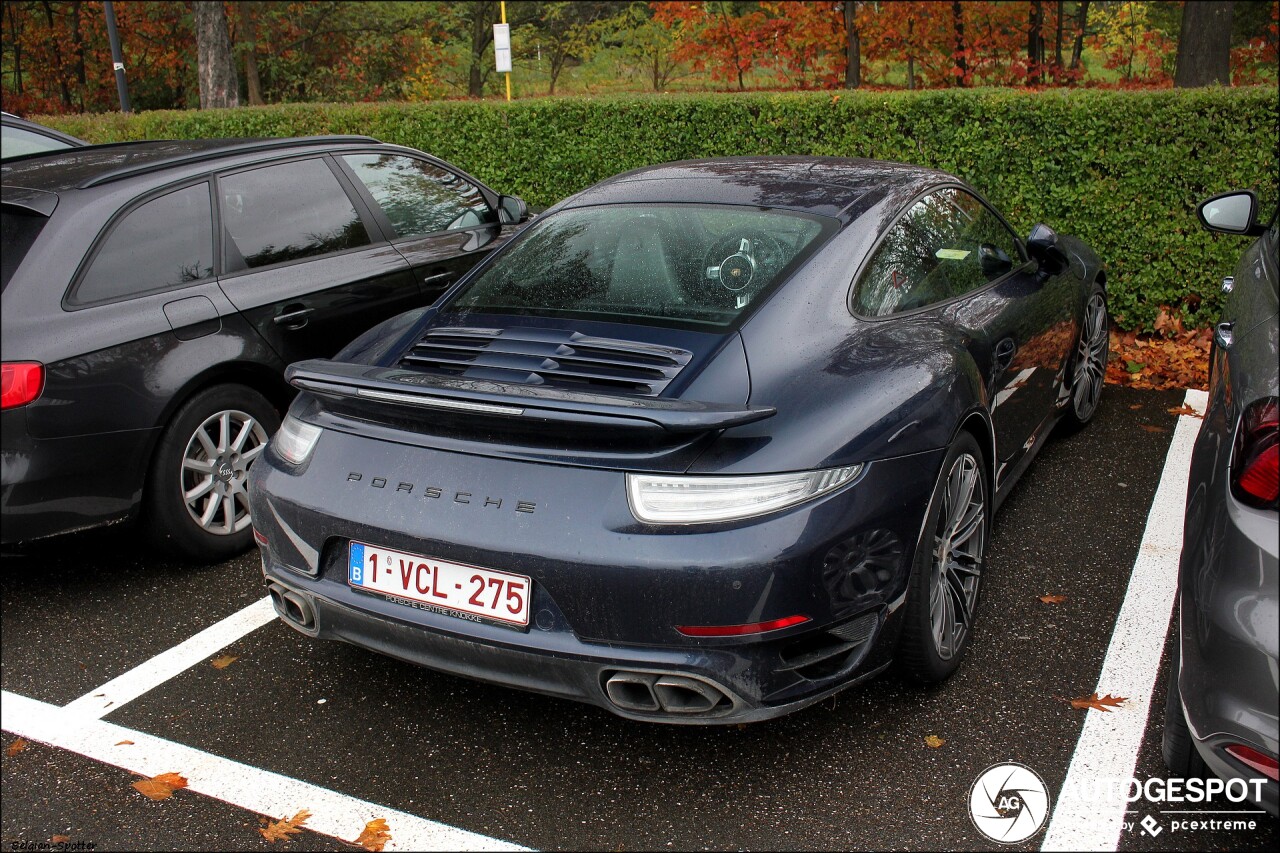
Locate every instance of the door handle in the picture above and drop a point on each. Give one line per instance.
(438, 278)
(1004, 352)
(1224, 334)
(293, 317)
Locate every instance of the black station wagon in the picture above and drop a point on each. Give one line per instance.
(153, 293)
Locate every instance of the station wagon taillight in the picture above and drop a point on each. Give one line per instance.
(1255, 461)
(20, 383)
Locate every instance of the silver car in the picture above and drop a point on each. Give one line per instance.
(1221, 711)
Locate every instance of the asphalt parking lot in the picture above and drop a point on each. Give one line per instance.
(350, 735)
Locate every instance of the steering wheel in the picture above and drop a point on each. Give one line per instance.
(738, 261)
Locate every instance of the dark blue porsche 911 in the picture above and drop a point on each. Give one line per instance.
(705, 443)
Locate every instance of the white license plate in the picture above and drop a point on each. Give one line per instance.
(440, 584)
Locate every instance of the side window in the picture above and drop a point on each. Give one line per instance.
(907, 270)
(418, 197)
(287, 212)
(992, 249)
(164, 243)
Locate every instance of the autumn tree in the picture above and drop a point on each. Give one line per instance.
(653, 42)
(1204, 45)
(216, 65)
(568, 29)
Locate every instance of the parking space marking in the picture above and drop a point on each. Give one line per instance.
(118, 691)
(261, 791)
(1109, 743)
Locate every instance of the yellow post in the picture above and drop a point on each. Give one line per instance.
(503, 7)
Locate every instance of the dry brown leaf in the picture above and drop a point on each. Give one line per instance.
(933, 741)
(1152, 428)
(280, 830)
(160, 787)
(1136, 406)
(17, 746)
(1053, 599)
(60, 839)
(1098, 703)
(224, 661)
(125, 743)
(375, 835)
(1184, 409)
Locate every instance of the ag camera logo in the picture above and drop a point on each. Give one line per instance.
(1009, 803)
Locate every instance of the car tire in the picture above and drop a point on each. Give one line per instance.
(1178, 747)
(197, 499)
(946, 578)
(1089, 362)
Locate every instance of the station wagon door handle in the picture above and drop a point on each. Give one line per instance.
(293, 319)
(1224, 335)
(438, 278)
(1004, 352)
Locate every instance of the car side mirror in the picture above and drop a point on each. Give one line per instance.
(512, 209)
(994, 261)
(1231, 213)
(1042, 245)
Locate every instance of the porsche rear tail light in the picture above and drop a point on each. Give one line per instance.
(1251, 758)
(1255, 461)
(740, 630)
(20, 383)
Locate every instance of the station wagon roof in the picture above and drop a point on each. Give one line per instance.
(94, 165)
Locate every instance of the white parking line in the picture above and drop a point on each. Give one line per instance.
(1109, 743)
(147, 676)
(261, 791)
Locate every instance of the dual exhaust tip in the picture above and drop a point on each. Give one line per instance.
(656, 693)
(293, 608)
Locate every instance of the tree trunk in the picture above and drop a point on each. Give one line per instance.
(853, 47)
(251, 77)
(64, 89)
(1204, 45)
(1034, 59)
(482, 21)
(1082, 20)
(14, 31)
(77, 42)
(957, 24)
(1057, 40)
(216, 67)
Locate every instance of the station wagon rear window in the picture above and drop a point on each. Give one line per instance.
(673, 264)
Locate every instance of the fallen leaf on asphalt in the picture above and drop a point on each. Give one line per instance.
(282, 829)
(1152, 428)
(1184, 409)
(160, 787)
(16, 747)
(1053, 599)
(224, 661)
(1098, 703)
(933, 741)
(375, 835)
(60, 839)
(1135, 407)
(125, 743)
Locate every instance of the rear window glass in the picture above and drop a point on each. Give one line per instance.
(18, 231)
(656, 264)
(166, 242)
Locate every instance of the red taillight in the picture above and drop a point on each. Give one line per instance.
(260, 538)
(20, 383)
(1250, 757)
(739, 630)
(1255, 462)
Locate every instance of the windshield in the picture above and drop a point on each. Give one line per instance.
(657, 264)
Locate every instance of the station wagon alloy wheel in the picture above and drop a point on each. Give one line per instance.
(957, 557)
(215, 467)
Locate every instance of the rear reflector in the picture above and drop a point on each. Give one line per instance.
(20, 383)
(259, 537)
(1247, 755)
(1255, 462)
(739, 630)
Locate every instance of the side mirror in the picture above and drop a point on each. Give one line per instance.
(994, 261)
(512, 209)
(1231, 213)
(1042, 245)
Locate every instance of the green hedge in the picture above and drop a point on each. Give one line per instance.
(1122, 170)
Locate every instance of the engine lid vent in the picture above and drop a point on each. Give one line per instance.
(551, 357)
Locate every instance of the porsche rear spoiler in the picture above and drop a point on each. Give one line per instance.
(458, 395)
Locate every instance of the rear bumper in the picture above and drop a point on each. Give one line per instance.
(607, 590)
(52, 486)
